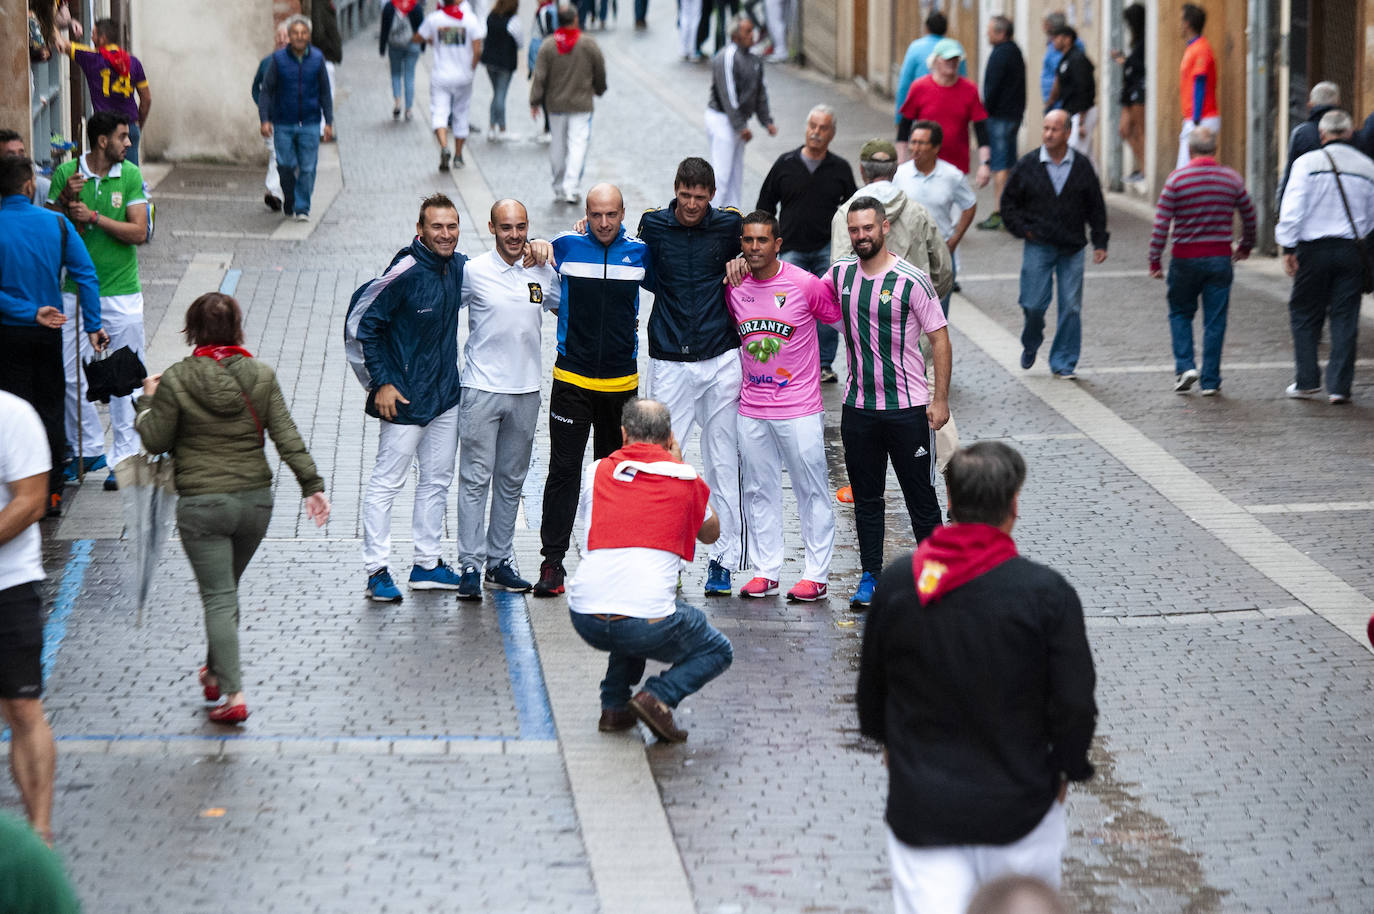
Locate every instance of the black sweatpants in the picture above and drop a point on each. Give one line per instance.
(31, 369)
(871, 437)
(573, 413)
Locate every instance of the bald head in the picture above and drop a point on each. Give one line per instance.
(510, 224)
(646, 420)
(605, 212)
(1055, 133)
(507, 210)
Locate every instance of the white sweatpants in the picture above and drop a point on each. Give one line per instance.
(776, 10)
(1083, 145)
(435, 448)
(706, 395)
(568, 150)
(121, 316)
(765, 447)
(727, 158)
(329, 72)
(1184, 156)
(449, 106)
(688, 18)
(942, 880)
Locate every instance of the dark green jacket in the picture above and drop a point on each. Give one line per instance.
(199, 415)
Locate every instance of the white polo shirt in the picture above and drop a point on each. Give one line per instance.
(23, 453)
(944, 191)
(505, 304)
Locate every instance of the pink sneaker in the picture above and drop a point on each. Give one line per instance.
(807, 592)
(759, 587)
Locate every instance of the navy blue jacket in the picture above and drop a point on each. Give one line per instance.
(598, 314)
(402, 329)
(691, 322)
(295, 91)
(1004, 82)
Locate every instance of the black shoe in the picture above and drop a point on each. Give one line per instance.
(551, 576)
(54, 505)
(444, 160)
(111, 484)
(828, 375)
(273, 202)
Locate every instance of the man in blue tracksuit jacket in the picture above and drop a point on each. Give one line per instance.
(596, 370)
(32, 254)
(293, 98)
(401, 338)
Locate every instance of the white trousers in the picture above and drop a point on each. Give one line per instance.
(1083, 145)
(273, 181)
(1184, 156)
(124, 329)
(449, 106)
(572, 132)
(435, 448)
(942, 880)
(688, 17)
(765, 447)
(727, 158)
(706, 395)
(776, 11)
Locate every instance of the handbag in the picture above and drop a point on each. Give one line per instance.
(1366, 249)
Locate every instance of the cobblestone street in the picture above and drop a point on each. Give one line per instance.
(435, 755)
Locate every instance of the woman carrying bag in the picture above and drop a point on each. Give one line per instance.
(212, 411)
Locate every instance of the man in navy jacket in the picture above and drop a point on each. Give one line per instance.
(294, 96)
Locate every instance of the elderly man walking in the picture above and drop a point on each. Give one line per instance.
(1050, 194)
(293, 99)
(737, 94)
(809, 183)
(939, 187)
(569, 73)
(1201, 200)
(978, 765)
(1327, 208)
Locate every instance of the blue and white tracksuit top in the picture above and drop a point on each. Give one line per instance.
(598, 338)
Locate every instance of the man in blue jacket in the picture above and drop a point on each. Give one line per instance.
(402, 341)
(293, 98)
(34, 247)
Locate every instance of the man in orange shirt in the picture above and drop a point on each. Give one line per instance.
(1197, 81)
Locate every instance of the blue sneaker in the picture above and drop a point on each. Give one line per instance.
(71, 472)
(863, 596)
(503, 577)
(440, 577)
(717, 580)
(381, 588)
(470, 583)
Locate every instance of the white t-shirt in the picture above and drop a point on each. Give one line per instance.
(452, 42)
(625, 582)
(505, 304)
(23, 453)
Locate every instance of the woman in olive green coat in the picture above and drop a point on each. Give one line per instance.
(213, 411)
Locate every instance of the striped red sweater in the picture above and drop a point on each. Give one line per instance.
(1199, 199)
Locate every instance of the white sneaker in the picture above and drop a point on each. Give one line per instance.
(571, 198)
(1210, 391)
(1185, 381)
(545, 138)
(302, 217)
(1338, 399)
(1297, 393)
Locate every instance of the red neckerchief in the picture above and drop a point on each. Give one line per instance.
(952, 556)
(220, 353)
(453, 9)
(404, 6)
(566, 38)
(117, 58)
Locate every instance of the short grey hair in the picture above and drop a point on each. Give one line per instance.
(1202, 141)
(1335, 124)
(824, 111)
(1324, 93)
(298, 18)
(738, 20)
(876, 171)
(646, 420)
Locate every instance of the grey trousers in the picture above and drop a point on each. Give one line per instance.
(495, 435)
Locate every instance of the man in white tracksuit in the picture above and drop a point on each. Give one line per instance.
(737, 94)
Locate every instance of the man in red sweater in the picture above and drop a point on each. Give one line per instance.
(1199, 199)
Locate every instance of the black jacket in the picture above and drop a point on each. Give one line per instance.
(809, 199)
(500, 49)
(1304, 138)
(1032, 211)
(1077, 82)
(1004, 82)
(983, 698)
(690, 322)
(416, 17)
(324, 33)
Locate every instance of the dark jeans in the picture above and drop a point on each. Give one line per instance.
(722, 10)
(1191, 278)
(573, 413)
(31, 369)
(641, 10)
(817, 262)
(698, 653)
(871, 437)
(1327, 283)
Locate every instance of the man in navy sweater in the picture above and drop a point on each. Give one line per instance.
(1004, 97)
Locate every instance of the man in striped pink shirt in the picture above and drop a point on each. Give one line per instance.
(1200, 199)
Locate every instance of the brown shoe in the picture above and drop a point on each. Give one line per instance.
(613, 721)
(658, 717)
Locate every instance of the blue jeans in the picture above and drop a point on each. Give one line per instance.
(500, 83)
(817, 262)
(298, 151)
(403, 71)
(1040, 265)
(1002, 142)
(1189, 278)
(698, 653)
(134, 135)
(641, 10)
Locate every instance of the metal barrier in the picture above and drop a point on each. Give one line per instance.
(46, 108)
(354, 15)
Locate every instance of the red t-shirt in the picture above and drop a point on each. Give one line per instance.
(953, 108)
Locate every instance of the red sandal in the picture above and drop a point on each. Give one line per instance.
(211, 691)
(229, 714)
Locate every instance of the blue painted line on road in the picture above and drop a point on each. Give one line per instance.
(230, 282)
(73, 576)
(280, 738)
(522, 665)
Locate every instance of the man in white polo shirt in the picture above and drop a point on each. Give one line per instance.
(500, 406)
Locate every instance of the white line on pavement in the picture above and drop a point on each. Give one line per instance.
(1166, 368)
(1088, 274)
(1309, 507)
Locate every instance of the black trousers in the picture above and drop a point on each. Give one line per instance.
(573, 413)
(31, 369)
(871, 437)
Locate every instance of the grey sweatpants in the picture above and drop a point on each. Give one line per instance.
(495, 434)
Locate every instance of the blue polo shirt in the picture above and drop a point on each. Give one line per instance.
(30, 259)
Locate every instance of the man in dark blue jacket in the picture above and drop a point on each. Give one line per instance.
(293, 98)
(693, 367)
(1004, 97)
(402, 341)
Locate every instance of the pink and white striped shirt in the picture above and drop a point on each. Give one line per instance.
(1200, 199)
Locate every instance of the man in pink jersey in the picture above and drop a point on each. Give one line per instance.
(780, 409)
(889, 411)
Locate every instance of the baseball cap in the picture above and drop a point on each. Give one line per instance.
(948, 49)
(876, 150)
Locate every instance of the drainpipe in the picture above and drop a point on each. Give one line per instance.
(1261, 154)
(1114, 143)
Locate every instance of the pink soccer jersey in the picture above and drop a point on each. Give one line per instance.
(776, 320)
